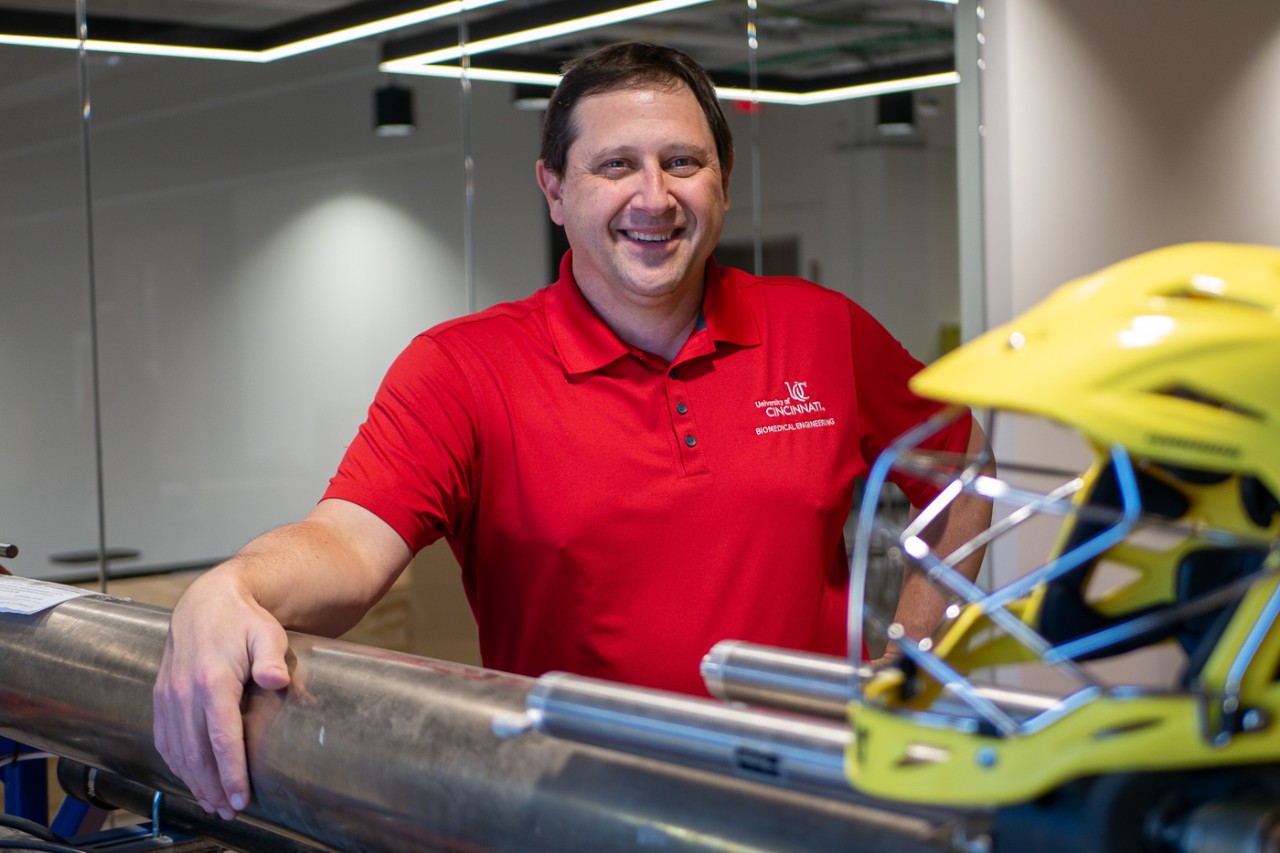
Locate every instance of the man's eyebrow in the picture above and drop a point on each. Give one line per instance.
(611, 151)
(666, 150)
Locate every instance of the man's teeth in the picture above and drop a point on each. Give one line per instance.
(650, 238)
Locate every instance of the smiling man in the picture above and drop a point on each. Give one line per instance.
(642, 195)
(643, 458)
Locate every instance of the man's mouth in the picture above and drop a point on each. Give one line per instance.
(650, 236)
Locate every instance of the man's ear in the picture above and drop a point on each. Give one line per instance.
(550, 183)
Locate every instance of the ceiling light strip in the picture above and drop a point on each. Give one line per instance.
(726, 93)
(842, 93)
(359, 31)
(409, 64)
(490, 75)
(373, 28)
(130, 47)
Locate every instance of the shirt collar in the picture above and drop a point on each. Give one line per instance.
(729, 318)
(586, 343)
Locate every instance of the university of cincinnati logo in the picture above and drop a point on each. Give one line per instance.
(797, 402)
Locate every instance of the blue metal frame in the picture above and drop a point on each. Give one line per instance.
(26, 783)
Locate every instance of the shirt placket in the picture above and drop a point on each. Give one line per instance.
(690, 443)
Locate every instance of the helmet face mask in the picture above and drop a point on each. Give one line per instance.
(1136, 552)
(1145, 623)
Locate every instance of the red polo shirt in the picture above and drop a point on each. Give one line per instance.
(615, 515)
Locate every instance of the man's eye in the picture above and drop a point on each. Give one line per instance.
(682, 165)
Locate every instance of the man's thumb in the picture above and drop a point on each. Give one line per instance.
(267, 651)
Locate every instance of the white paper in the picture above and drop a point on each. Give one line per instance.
(26, 595)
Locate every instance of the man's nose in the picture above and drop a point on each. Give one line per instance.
(653, 195)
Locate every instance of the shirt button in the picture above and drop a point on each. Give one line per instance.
(682, 409)
(690, 440)
(675, 373)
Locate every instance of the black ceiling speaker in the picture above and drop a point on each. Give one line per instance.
(393, 111)
(896, 113)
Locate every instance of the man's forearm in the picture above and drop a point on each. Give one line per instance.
(921, 604)
(319, 575)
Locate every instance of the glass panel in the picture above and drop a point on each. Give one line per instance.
(871, 215)
(262, 258)
(48, 491)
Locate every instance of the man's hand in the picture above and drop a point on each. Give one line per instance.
(219, 639)
(318, 576)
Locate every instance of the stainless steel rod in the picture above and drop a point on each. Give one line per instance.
(773, 747)
(374, 750)
(819, 684)
(779, 678)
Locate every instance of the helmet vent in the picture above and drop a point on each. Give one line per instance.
(1204, 288)
(1193, 445)
(1182, 392)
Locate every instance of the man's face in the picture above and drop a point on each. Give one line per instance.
(643, 195)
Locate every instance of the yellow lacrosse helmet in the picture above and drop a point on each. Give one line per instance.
(1167, 365)
(1173, 354)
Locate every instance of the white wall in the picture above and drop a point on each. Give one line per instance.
(1113, 128)
(260, 257)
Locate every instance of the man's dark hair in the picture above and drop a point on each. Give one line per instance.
(625, 66)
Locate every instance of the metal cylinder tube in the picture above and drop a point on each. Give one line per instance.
(1232, 827)
(772, 747)
(374, 750)
(779, 678)
(819, 684)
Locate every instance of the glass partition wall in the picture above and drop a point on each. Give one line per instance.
(206, 275)
(49, 503)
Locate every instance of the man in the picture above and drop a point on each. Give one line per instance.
(646, 457)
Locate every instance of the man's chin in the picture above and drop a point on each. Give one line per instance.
(662, 277)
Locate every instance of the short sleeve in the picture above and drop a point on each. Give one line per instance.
(411, 462)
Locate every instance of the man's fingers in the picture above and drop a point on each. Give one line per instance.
(226, 739)
(181, 739)
(190, 761)
(199, 733)
(215, 746)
